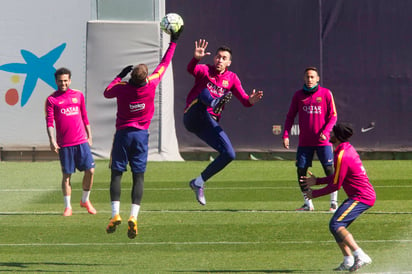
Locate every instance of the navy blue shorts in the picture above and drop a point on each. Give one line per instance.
(130, 145)
(78, 156)
(346, 213)
(304, 156)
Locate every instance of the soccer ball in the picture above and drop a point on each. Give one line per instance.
(171, 22)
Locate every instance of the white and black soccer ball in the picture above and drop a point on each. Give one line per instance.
(171, 22)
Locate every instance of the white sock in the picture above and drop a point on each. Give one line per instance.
(67, 203)
(348, 260)
(85, 196)
(308, 202)
(134, 211)
(115, 208)
(199, 181)
(334, 197)
(359, 253)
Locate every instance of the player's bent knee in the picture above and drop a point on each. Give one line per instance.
(338, 230)
(229, 155)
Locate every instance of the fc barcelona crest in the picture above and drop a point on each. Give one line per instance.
(276, 129)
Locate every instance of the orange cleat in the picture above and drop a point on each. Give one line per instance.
(114, 222)
(67, 212)
(88, 205)
(132, 230)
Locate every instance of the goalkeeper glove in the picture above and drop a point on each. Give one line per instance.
(125, 71)
(174, 36)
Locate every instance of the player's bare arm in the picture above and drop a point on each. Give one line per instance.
(53, 144)
(255, 97)
(286, 143)
(200, 49)
(89, 135)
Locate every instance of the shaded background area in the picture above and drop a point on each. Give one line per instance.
(361, 48)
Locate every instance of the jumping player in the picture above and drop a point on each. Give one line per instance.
(316, 110)
(213, 88)
(135, 109)
(66, 108)
(351, 175)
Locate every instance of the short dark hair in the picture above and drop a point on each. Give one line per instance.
(311, 68)
(62, 71)
(343, 131)
(225, 48)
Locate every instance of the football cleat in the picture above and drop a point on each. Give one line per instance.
(333, 207)
(114, 222)
(342, 267)
(67, 212)
(305, 207)
(132, 230)
(360, 262)
(88, 205)
(200, 196)
(217, 109)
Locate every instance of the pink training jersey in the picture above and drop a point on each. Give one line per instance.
(317, 114)
(135, 105)
(68, 111)
(349, 174)
(217, 83)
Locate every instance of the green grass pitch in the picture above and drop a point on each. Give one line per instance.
(249, 224)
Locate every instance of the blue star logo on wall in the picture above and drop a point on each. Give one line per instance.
(35, 68)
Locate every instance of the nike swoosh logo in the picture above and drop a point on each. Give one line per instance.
(366, 129)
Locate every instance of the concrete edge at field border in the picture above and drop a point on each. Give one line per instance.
(34, 154)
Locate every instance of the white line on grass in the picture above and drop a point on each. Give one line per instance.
(213, 211)
(198, 243)
(181, 188)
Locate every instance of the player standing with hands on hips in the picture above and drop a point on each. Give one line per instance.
(135, 109)
(316, 110)
(351, 176)
(67, 109)
(213, 88)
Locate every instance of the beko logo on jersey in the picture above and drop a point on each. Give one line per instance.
(136, 107)
(312, 109)
(70, 111)
(215, 89)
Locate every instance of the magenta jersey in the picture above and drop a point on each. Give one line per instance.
(135, 105)
(317, 114)
(349, 174)
(217, 83)
(67, 110)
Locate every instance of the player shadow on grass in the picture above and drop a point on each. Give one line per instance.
(26, 266)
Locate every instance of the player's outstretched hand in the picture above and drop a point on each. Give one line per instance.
(200, 49)
(255, 97)
(174, 36)
(306, 181)
(125, 71)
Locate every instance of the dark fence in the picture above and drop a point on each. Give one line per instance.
(362, 48)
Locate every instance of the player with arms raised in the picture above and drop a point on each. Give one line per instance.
(135, 109)
(213, 88)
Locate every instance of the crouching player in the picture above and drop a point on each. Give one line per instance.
(351, 175)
